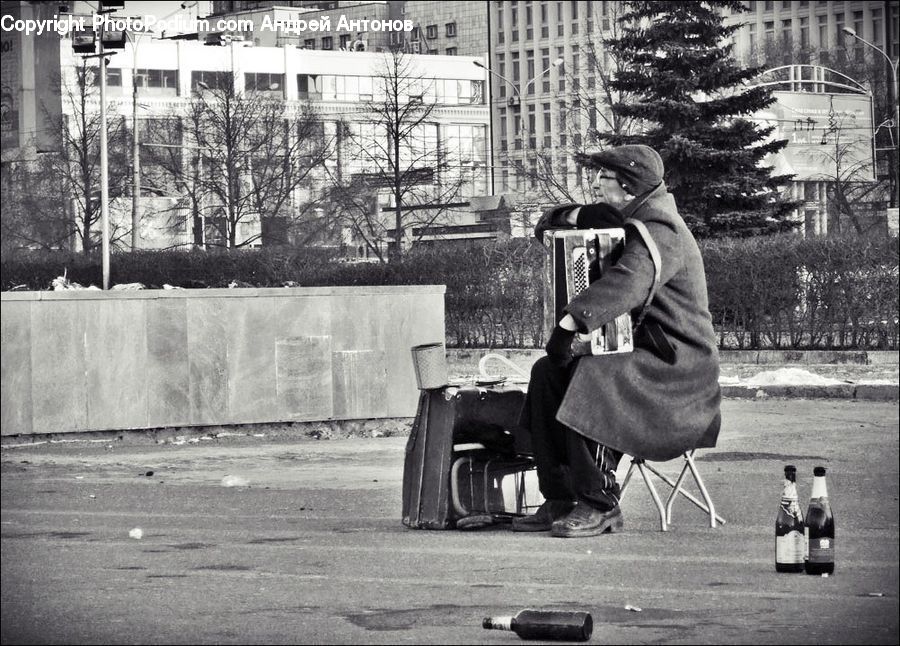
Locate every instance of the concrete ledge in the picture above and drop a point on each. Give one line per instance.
(761, 357)
(880, 392)
(329, 430)
(883, 357)
(874, 392)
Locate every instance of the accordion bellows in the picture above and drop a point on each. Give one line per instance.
(575, 260)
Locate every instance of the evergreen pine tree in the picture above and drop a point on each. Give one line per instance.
(690, 94)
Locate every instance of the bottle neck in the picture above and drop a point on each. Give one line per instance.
(819, 488)
(500, 623)
(790, 490)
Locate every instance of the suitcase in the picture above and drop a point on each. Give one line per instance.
(450, 423)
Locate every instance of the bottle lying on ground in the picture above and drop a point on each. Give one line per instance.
(819, 528)
(559, 625)
(790, 539)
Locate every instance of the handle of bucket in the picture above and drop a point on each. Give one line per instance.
(482, 365)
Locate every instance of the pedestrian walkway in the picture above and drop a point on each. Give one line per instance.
(294, 541)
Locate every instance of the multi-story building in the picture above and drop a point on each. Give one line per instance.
(338, 86)
(451, 28)
(797, 32)
(544, 59)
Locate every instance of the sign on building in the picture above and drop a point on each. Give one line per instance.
(828, 135)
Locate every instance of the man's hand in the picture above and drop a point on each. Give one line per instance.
(559, 347)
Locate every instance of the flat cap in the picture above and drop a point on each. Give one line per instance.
(637, 167)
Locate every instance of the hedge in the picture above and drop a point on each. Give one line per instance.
(779, 292)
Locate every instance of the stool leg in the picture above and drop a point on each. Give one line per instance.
(634, 461)
(676, 489)
(659, 506)
(713, 517)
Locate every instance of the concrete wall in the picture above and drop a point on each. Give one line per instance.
(90, 360)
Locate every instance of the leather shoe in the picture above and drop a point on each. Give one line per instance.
(542, 519)
(584, 520)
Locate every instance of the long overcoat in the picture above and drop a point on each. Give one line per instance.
(650, 403)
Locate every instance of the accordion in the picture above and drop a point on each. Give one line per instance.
(575, 260)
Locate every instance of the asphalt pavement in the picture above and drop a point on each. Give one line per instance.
(280, 539)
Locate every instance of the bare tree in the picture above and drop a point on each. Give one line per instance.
(851, 183)
(34, 213)
(396, 149)
(73, 173)
(241, 159)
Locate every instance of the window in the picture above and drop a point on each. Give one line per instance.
(309, 87)
(328, 42)
(532, 126)
(529, 63)
(431, 31)
(545, 29)
(858, 47)
(515, 67)
(561, 53)
(344, 41)
(877, 28)
(309, 43)
(823, 31)
(545, 64)
(529, 21)
(113, 77)
(212, 80)
(787, 40)
(451, 51)
(163, 82)
(501, 26)
(547, 125)
(451, 29)
(266, 82)
(514, 19)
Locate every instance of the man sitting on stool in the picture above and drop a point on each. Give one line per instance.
(654, 403)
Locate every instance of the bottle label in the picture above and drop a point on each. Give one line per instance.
(821, 550)
(790, 548)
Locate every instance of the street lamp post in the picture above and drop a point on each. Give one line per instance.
(104, 173)
(516, 99)
(894, 88)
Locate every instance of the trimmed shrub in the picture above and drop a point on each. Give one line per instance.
(765, 293)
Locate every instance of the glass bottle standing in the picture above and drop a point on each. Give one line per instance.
(790, 539)
(559, 625)
(819, 528)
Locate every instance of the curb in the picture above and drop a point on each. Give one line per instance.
(862, 392)
(761, 357)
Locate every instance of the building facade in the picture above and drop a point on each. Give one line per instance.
(338, 87)
(804, 40)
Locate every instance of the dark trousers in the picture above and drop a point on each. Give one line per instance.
(569, 465)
